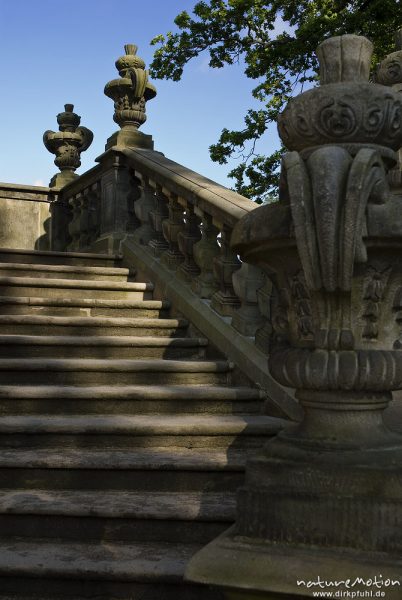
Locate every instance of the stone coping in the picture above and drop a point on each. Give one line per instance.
(224, 205)
(33, 193)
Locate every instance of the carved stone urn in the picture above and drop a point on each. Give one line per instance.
(323, 500)
(130, 92)
(67, 144)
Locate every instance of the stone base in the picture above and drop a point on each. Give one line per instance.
(130, 138)
(143, 234)
(327, 497)
(250, 569)
(157, 247)
(172, 259)
(246, 322)
(224, 305)
(203, 288)
(187, 273)
(62, 179)
(313, 509)
(108, 244)
(263, 338)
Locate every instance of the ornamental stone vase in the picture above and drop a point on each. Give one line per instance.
(324, 498)
(67, 144)
(130, 92)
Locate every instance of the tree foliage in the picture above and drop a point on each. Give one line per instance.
(280, 62)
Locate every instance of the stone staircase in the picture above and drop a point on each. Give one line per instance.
(123, 438)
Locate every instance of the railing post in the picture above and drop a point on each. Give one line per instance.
(117, 191)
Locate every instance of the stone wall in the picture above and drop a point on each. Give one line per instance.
(25, 216)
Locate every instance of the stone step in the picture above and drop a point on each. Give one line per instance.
(140, 516)
(59, 258)
(60, 589)
(75, 288)
(86, 326)
(162, 399)
(88, 371)
(144, 431)
(10, 269)
(145, 562)
(94, 346)
(83, 307)
(175, 506)
(139, 469)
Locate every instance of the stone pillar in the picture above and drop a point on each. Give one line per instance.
(116, 212)
(67, 144)
(323, 500)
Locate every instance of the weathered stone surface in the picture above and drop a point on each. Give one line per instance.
(334, 480)
(102, 459)
(25, 216)
(130, 93)
(67, 144)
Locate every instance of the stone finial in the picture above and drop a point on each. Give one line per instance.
(389, 71)
(344, 58)
(130, 93)
(67, 144)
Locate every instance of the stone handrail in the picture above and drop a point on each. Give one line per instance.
(175, 226)
(224, 205)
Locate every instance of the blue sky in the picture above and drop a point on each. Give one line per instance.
(53, 53)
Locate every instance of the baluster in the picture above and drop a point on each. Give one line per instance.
(246, 281)
(186, 240)
(225, 301)
(74, 226)
(143, 207)
(158, 243)
(84, 220)
(94, 214)
(133, 196)
(204, 253)
(263, 335)
(61, 216)
(171, 227)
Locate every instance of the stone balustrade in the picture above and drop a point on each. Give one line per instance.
(183, 219)
(192, 219)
